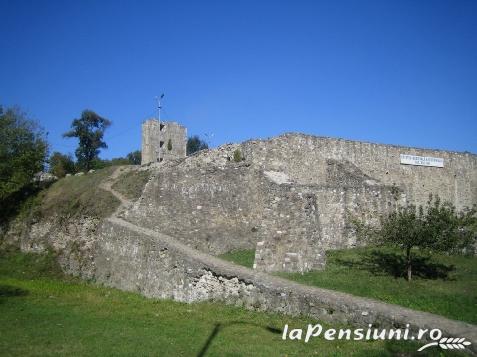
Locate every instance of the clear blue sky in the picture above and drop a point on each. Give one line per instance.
(398, 72)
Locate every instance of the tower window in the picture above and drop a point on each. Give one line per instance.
(161, 126)
(161, 143)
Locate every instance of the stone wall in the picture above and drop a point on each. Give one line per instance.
(304, 159)
(218, 209)
(138, 259)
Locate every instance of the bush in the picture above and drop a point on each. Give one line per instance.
(238, 155)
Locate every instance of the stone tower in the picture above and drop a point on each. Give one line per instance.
(162, 141)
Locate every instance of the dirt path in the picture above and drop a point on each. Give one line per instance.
(108, 186)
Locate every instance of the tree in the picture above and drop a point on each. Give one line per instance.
(89, 130)
(169, 145)
(134, 157)
(434, 228)
(23, 151)
(194, 144)
(60, 164)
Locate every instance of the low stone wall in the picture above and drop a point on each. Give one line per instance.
(138, 259)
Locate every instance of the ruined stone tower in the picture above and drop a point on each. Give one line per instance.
(162, 141)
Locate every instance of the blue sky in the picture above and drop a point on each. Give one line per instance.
(397, 72)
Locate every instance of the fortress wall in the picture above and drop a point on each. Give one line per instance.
(290, 238)
(303, 158)
(209, 209)
(137, 259)
(217, 210)
(149, 141)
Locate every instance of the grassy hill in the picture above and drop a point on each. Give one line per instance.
(43, 313)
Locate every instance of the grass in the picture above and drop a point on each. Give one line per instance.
(79, 196)
(43, 313)
(444, 285)
(240, 257)
(131, 184)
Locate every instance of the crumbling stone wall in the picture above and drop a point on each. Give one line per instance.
(294, 196)
(304, 159)
(138, 259)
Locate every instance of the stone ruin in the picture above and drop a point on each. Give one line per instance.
(294, 196)
(162, 141)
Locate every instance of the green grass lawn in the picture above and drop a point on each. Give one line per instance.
(444, 285)
(43, 313)
(240, 257)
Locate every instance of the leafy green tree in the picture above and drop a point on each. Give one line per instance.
(437, 227)
(194, 144)
(23, 151)
(89, 129)
(61, 164)
(134, 157)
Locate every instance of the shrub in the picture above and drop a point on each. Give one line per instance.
(238, 155)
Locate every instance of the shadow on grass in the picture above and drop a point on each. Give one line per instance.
(387, 263)
(11, 291)
(218, 327)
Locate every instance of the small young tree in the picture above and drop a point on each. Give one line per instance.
(89, 129)
(434, 228)
(238, 155)
(169, 145)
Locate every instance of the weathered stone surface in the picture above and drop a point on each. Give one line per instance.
(293, 194)
(139, 259)
(155, 141)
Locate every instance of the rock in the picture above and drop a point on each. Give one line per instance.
(44, 177)
(91, 171)
(79, 174)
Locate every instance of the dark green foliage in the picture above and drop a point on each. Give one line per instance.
(134, 157)
(438, 227)
(238, 155)
(195, 144)
(60, 164)
(89, 130)
(169, 145)
(23, 151)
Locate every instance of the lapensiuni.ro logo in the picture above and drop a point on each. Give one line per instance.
(373, 333)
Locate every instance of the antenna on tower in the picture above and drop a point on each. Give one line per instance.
(159, 106)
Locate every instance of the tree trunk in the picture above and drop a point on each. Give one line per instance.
(408, 263)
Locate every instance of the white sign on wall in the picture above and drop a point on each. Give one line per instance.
(422, 160)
